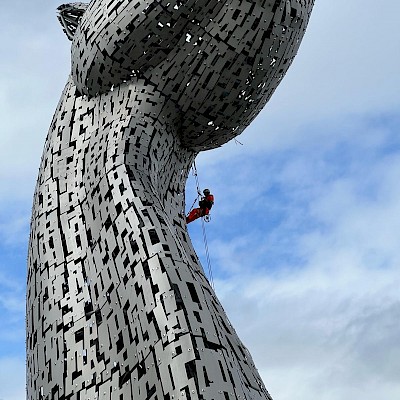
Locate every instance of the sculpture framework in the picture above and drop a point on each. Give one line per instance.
(118, 306)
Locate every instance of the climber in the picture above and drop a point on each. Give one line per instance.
(205, 205)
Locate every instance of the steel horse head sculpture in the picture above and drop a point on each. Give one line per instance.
(118, 306)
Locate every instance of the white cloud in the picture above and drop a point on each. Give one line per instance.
(13, 303)
(12, 378)
(14, 228)
(12, 309)
(316, 299)
(321, 280)
(34, 68)
(316, 332)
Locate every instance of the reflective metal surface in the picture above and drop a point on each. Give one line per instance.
(118, 306)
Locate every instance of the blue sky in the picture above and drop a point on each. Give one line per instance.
(304, 237)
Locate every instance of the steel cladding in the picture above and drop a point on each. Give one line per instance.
(118, 306)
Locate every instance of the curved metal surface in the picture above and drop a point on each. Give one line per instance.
(118, 306)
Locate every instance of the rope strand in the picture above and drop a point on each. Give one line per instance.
(210, 274)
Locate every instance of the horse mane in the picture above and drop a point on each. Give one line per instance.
(70, 16)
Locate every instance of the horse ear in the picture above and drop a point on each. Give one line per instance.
(70, 16)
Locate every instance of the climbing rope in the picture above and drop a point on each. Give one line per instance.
(210, 274)
(196, 177)
(194, 173)
(194, 202)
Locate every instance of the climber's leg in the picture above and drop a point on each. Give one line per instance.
(194, 214)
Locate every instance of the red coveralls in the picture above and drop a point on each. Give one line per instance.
(205, 206)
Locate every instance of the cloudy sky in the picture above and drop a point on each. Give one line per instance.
(305, 234)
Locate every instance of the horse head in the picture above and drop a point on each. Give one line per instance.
(218, 61)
